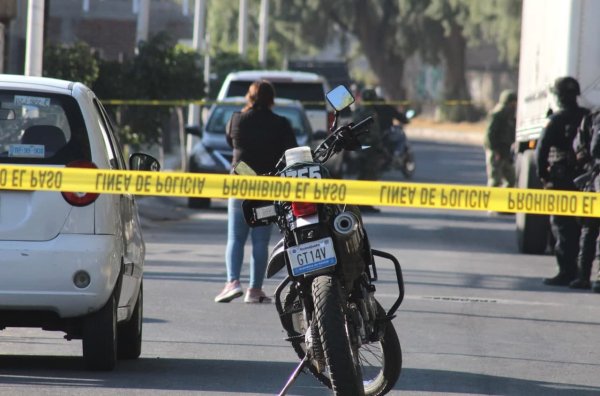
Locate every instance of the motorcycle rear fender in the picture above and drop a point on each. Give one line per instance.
(276, 260)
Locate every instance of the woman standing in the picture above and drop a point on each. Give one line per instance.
(258, 137)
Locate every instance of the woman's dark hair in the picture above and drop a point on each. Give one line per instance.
(261, 94)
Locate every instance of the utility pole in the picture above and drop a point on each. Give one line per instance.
(243, 28)
(34, 47)
(263, 35)
(200, 46)
(143, 20)
(8, 10)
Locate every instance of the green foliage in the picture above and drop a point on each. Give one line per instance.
(160, 70)
(287, 36)
(73, 63)
(498, 22)
(223, 63)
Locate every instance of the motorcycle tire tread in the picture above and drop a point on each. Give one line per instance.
(346, 378)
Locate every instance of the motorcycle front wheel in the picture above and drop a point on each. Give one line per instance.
(381, 361)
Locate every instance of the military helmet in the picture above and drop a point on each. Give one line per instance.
(566, 86)
(368, 95)
(507, 96)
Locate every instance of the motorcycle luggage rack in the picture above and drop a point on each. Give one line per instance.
(399, 278)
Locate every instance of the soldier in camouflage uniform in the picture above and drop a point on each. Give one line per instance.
(499, 138)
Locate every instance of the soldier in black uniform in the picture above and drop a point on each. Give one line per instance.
(557, 168)
(370, 160)
(595, 150)
(590, 226)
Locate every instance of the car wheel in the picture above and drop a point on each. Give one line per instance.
(100, 337)
(129, 340)
(198, 203)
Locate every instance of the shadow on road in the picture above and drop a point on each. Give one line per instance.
(250, 377)
(231, 376)
(456, 382)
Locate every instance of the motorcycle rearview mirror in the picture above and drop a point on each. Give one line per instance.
(340, 98)
(242, 168)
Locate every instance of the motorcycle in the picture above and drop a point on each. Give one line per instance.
(400, 155)
(397, 155)
(327, 303)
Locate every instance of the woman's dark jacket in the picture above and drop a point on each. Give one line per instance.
(259, 137)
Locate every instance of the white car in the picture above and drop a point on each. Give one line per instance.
(70, 261)
(308, 88)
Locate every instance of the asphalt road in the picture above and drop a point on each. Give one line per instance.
(476, 319)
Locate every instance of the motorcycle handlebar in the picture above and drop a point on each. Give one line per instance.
(362, 124)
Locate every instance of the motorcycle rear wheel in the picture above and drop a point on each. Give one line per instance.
(408, 165)
(378, 378)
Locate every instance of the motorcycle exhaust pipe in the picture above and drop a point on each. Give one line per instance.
(347, 232)
(349, 242)
(345, 225)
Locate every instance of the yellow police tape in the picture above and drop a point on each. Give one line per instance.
(203, 102)
(415, 195)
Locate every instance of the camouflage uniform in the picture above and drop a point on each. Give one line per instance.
(499, 138)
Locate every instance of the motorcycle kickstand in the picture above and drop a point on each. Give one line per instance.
(294, 375)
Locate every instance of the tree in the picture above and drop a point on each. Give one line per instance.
(160, 70)
(225, 62)
(222, 26)
(74, 63)
(383, 28)
(390, 31)
(456, 24)
(498, 22)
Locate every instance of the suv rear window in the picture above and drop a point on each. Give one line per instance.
(311, 95)
(40, 128)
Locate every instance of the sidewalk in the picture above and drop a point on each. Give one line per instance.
(457, 133)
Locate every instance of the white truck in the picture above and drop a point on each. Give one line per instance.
(558, 38)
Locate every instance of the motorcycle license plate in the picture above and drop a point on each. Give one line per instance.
(312, 256)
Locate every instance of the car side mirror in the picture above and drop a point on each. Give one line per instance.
(194, 130)
(143, 162)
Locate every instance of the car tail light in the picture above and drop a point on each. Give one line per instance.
(80, 198)
(301, 209)
(330, 118)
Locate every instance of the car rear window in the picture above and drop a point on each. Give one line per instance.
(40, 128)
(221, 115)
(312, 95)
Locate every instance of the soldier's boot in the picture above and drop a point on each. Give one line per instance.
(596, 284)
(583, 277)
